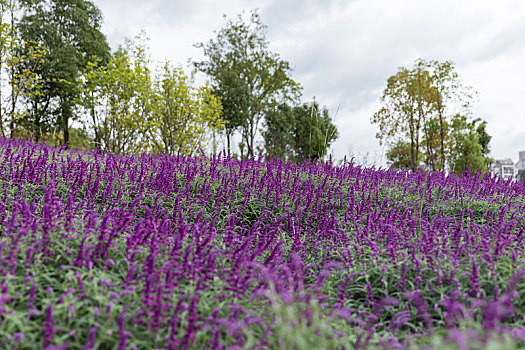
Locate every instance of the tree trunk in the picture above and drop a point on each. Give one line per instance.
(66, 111)
(422, 118)
(441, 131)
(228, 137)
(93, 117)
(249, 140)
(430, 154)
(413, 155)
(12, 74)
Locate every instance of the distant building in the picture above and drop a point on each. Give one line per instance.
(505, 167)
(520, 166)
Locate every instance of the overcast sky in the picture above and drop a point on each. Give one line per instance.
(343, 52)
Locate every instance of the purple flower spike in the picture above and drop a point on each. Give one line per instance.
(90, 345)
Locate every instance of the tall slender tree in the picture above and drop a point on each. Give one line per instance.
(446, 93)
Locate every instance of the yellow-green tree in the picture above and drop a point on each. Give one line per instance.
(131, 110)
(419, 124)
(19, 82)
(403, 116)
(182, 114)
(116, 99)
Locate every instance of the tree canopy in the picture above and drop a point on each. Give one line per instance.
(300, 132)
(424, 120)
(182, 113)
(249, 79)
(131, 109)
(69, 31)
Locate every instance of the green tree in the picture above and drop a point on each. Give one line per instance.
(404, 111)
(484, 141)
(182, 113)
(431, 144)
(279, 140)
(314, 131)
(417, 112)
(132, 110)
(91, 98)
(303, 131)
(235, 96)
(467, 151)
(398, 156)
(446, 91)
(69, 31)
(249, 79)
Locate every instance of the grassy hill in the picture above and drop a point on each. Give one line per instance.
(116, 252)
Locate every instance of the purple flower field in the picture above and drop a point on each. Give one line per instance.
(156, 252)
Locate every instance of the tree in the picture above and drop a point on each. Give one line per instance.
(21, 83)
(300, 132)
(484, 141)
(235, 97)
(399, 157)
(69, 31)
(132, 110)
(182, 113)
(117, 98)
(314, 131)
(405, 109)
(417, 116)
(446, 91)
(467, 154)
(249, 79)
(279, 140)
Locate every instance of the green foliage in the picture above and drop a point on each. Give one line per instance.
(405, 103)
(278, 137)
(234, 94)
(69, 31)
(398, 156)
(19, 62)
(79, 138)
(249, 79)
(300, 132)
(467, 154)
(118, 97)
(484, 141)
(416, 120)
(132, 110)
(181, 113)
(314, 131)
